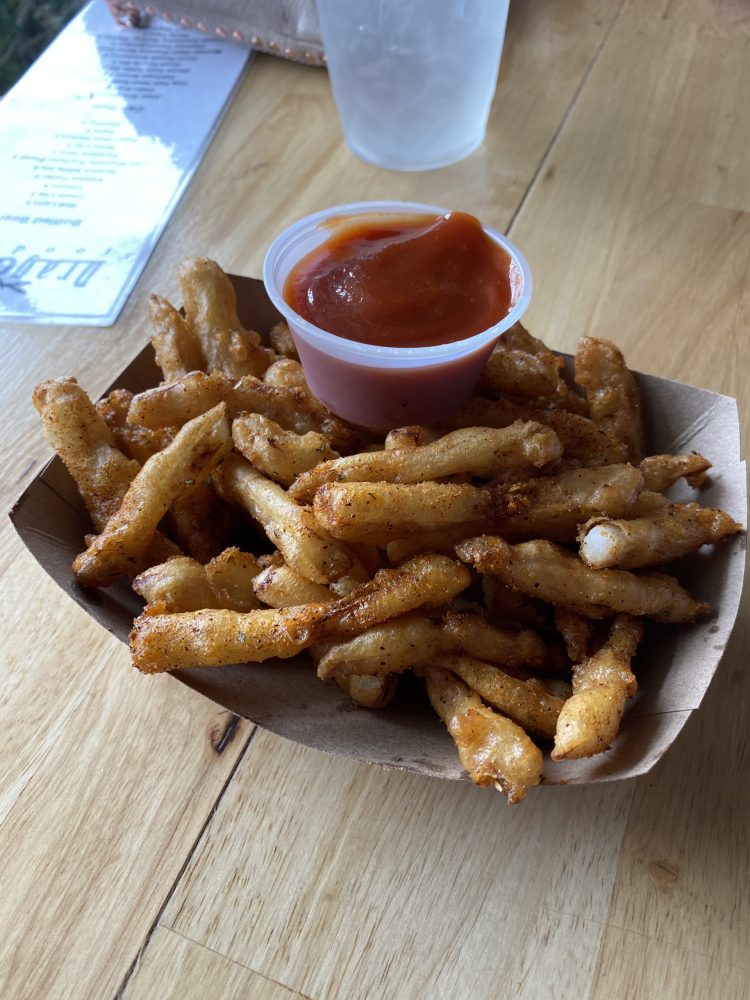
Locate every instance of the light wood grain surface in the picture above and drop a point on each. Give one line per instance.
(152, 846)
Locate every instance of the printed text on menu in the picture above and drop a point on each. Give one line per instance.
(97, 143)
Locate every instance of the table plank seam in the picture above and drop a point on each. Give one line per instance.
(234, 961)
(188, 858)
(564, 120)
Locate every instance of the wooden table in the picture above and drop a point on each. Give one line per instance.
(153, 846)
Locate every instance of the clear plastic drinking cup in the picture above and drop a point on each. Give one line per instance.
(384, 387)
(413, 82)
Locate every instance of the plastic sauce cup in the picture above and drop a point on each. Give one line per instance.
(384, 387)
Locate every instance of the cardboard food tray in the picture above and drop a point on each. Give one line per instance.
(674, 666)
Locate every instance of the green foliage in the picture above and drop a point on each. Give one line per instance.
(26, 29)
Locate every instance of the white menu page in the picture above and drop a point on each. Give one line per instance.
(97, 143)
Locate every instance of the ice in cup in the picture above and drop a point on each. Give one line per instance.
(382, 387)
(413, 82)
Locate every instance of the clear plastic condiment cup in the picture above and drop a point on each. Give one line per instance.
(383, 387)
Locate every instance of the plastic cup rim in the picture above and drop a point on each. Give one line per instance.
(373, 355)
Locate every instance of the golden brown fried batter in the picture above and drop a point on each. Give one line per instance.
(542, 569)
(171, 473)
(589, 720)
(419, 495)
(613, 396)
(86, 446)
(544, 507)
(279, 454)
(176, 345)
(210, 304)
(180, 584)
(662, 471)
(305, 545)
(576, 632)
(679, 529)
(526, 702)
(474, 635)
(481, 451)
(510, 371)
(187, 397)
(493, 750)
(161, 642)
(384, 649)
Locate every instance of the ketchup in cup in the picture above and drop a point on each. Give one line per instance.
(394, 307)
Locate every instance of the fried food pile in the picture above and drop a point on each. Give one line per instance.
(510, 558)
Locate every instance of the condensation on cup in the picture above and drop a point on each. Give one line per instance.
(413, 81)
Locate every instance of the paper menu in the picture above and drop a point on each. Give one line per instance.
(97, 143)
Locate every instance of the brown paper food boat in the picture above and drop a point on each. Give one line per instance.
(674, 666)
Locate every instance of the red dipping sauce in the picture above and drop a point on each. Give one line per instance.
(394, 307)
(403, 282)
